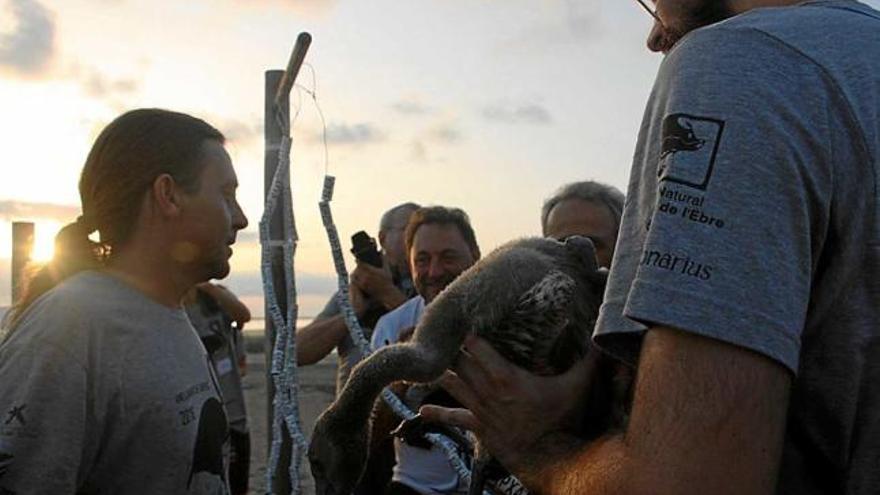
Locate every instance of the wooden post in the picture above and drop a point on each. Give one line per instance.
(277, 98)
(22, 247)
(280, 481)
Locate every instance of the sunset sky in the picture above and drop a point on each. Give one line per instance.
(488, 105)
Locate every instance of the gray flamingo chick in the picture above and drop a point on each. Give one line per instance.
(534, 300)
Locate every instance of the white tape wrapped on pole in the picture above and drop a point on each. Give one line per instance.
(290, 380)
(283, 371)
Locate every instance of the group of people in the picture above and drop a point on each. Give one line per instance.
(745, 283)
(424, 250)
(743, 291)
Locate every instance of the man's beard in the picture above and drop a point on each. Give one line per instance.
(429, 289)
(708, 12)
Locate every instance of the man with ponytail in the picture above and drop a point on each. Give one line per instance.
(104, 385)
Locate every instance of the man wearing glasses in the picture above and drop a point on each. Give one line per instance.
(745, 288)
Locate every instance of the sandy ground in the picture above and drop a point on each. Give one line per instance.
(317, 386)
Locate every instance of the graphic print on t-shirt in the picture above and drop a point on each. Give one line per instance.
(687, 154)
(5, 462)
(208, 450)
(16, 414)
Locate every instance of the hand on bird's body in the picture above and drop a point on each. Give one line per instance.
(509, 409)
(378, 284)
(406, 334)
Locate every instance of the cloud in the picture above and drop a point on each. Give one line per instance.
(418, 151)
(17, 210)
(116, 91)
(28, 48)
(424, 146)
(578, 22)
(346, 134)
(582, 18)
(445, 134)
(304, 8)
(240, 132)
(99, 86)
(525, 113)
(411, 107)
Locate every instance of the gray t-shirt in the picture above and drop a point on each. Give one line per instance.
(106, 391)
(752, 218)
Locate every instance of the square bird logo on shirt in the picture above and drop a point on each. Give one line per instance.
(687, 154)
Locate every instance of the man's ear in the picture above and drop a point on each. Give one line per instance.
(166, 196)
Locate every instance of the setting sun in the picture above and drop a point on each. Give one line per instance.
(44, 240)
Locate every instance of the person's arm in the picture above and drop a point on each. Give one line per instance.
(322, 335)
(707, 417)
(377, 284)
(232, 305)
(318, 338)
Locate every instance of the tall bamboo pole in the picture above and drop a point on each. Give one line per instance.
(277, 99)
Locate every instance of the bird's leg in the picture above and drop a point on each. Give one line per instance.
(479, 466)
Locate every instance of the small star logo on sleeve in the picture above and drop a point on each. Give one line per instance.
(16, 414)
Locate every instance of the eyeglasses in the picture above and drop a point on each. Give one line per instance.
(651, 10)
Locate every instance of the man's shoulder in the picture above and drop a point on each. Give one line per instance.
(93, 304)
(406, 313)
(57, 323)
(82, 293)
(390, 324)
(799, 30)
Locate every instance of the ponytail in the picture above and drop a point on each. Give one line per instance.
(74, 252)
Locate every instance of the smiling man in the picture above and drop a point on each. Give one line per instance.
(441, 245)
(746, 280)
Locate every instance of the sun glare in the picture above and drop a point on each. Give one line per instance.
(44, 240)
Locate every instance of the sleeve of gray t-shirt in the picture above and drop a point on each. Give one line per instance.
(45, 445)
(742, 187)
(331, 309)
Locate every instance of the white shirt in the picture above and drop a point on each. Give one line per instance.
(426, 471)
